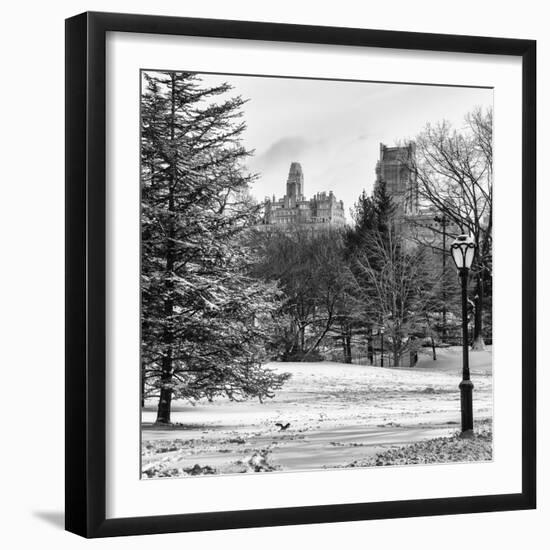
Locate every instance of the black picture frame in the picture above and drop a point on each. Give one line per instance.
(86, 275)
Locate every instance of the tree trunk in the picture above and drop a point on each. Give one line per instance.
(294, 339)
(478, 344)
(142, 387)
(396, 357)
(346, 341)
(165, 401)
(431, 335)
(370, 347)
(344, 349)
(320, 338)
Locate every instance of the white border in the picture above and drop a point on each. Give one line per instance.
(127, 495)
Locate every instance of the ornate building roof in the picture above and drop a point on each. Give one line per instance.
(322, 210)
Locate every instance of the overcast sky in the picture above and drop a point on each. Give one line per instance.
(334, 128)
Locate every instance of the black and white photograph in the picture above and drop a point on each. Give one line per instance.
(316, 274)
(274, 275)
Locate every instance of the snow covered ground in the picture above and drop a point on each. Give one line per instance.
(338, 414)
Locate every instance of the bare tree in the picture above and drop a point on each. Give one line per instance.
(454, 174)
(393, 280)
(309, 269)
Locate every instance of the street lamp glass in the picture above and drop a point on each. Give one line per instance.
(463, 251)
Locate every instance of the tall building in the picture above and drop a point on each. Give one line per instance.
(395, 169)
(419, 224)
(323, 210)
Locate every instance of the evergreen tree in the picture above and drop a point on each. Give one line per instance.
(384, 208)
(363, 213)
(205, 320)
(370, 213)
(373, 216)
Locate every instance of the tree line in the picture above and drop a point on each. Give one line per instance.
(345, 290)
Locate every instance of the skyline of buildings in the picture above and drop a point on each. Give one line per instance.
(324, 209)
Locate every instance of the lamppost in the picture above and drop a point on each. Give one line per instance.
(463, 250)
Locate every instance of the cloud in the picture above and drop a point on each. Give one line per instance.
(286, 149)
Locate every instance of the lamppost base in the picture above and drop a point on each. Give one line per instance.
(466, 408)
(468, 434)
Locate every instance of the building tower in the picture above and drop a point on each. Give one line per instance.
(323, 211)
(295, 183)
(395, 168)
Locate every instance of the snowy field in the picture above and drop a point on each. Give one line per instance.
(338, 414)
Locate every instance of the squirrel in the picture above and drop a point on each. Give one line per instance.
(282, 427)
